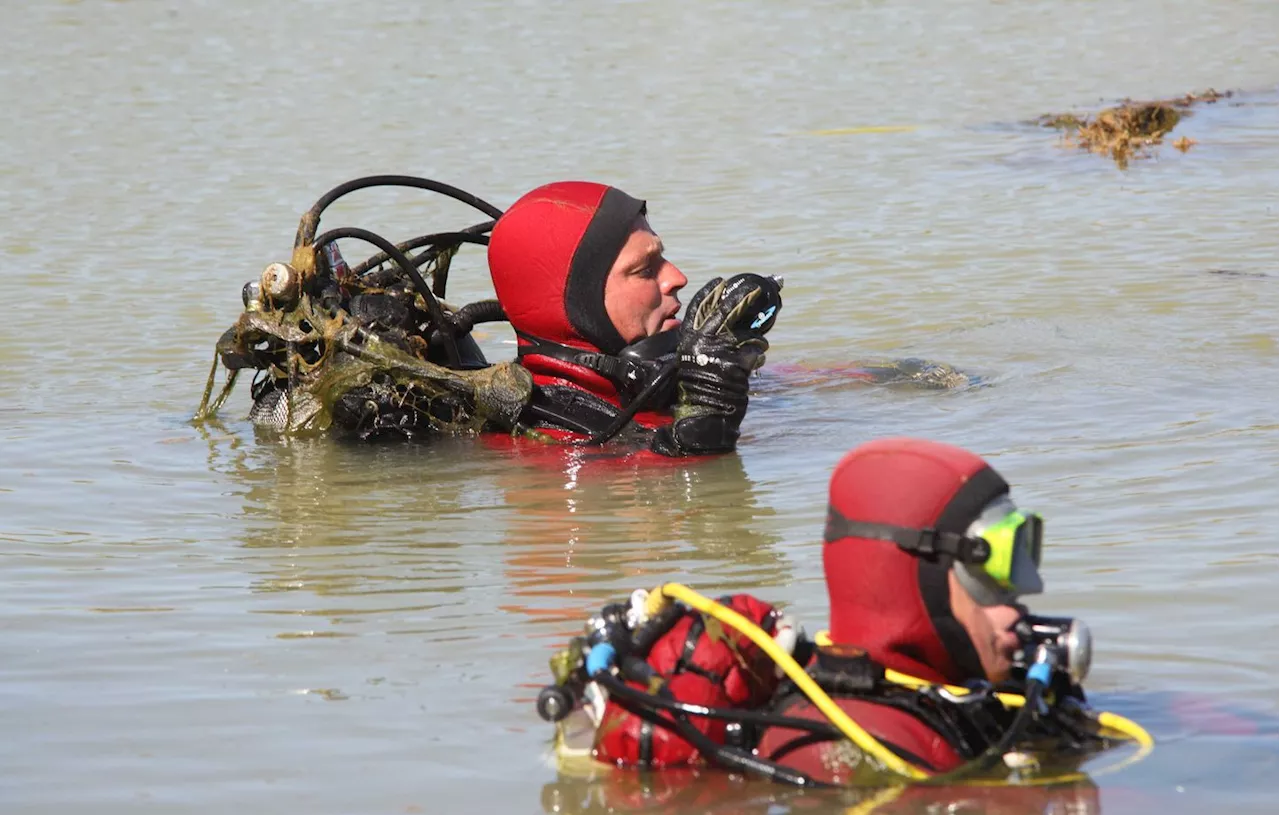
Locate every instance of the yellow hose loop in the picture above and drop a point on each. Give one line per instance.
(1131, 729)
(864, 740)
(1134, 731)
(1112, 721)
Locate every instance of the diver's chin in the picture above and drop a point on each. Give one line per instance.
(668, 324)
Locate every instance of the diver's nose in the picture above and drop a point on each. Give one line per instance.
(672, 280)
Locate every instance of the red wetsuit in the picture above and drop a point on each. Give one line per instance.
(889, 602)
(549, 257)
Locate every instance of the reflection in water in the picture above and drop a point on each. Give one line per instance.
(585, 522)
(417, 521)
(317, 513)
(707, 790)
(1188, 728)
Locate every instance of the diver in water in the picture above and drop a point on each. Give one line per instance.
(581, 277)
(926, 557)
(931, 671)
(375, 351)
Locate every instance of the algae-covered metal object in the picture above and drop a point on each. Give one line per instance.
(373, 350)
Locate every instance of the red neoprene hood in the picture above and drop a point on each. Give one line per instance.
(895, 604)
(550, 255)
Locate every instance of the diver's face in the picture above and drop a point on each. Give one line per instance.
(990, 630)
(640, 292)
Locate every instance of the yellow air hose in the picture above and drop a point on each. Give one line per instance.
(864, 740)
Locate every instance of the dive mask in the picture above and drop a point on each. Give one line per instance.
(1011, 568)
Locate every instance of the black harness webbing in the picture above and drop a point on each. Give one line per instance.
(926, 542)
(627, 376)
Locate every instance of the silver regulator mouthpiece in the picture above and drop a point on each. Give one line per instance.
(1068, 638)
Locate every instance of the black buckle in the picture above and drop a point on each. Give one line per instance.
(847, 669)
(962, 548)
(588, 359)
(975, 550)
(627, 376)
(620, 372)
(926, 541)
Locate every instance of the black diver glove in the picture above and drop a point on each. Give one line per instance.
(721, 343)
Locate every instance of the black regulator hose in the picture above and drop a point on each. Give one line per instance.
(439, 273)
(481, 311)
(640, 697)
(472, 234)
(647, 634)
(557, 701)
(727, 757)
(642, 398)
(311, 220)
(442, 322)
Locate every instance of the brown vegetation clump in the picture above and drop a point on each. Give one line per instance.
(1129, 129)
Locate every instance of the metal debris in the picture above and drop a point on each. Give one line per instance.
(372, 350)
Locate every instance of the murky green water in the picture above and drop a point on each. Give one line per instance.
(196, 619)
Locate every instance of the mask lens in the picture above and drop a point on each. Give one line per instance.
(1003, 536)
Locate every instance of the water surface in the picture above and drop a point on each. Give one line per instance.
(201, 618)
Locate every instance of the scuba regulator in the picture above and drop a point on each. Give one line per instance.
(613, 636)
(1062, 644)
(764, 309)
(644, 372)
(651, 354)
(604, 632)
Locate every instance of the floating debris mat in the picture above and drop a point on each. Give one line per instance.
(1129, 130)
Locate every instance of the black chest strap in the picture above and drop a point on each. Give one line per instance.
(629, 376)
(615, 369)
